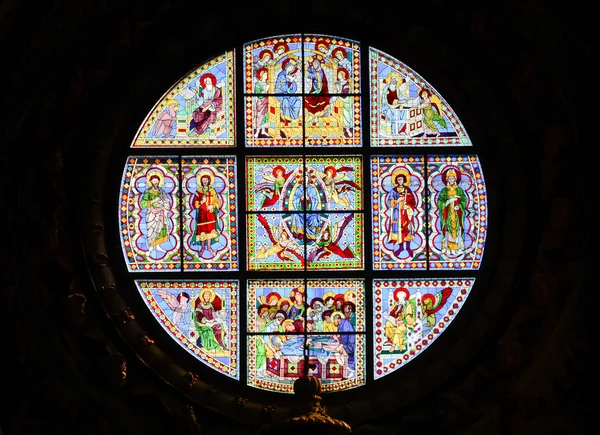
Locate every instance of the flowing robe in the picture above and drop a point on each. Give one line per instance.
(348, 341)
(400, 319)
(206, 115)
(206, 203)
(400, 228)
(452, 204)
(317, 102)
(157, 215)
(290, 105)
(209, 329)
(262, 105)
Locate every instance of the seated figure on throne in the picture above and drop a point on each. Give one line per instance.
(211, 104)
(395, 101)
(317, 102)
(286, 85)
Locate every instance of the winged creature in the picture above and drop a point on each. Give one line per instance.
(432, 303)
(179, 304)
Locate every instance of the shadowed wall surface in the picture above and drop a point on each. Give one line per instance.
(79, 77)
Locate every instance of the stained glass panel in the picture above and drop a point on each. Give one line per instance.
(272, 182)
(198, 111)
(410, 314)
(329, 311)
(331, 77)
(210, 230)
(273, 304)
(275, 361)
(149, 214)
(272, 66)
(338, 125)
(458, 212)
(338, 180)
(275, 242)
(334, 241)
(335, 55)
(201, 316)
(276, 183)
(408, 111)
(398, 186)
(279, 70)
(323, 298)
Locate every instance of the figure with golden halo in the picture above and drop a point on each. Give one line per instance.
(209, 313)
(396, 99)
(157, 205)
(207, 204)
(401, 205)
(286, 87)
(452, 204)
(342, 86)
(317, 103)
(261, 108)
(400, 317)
(211, 103)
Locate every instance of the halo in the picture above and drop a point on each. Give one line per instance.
(317, 299)
(326, 295)
(273, 295)
(401, 290)
(321, 42)
(291, 58)
(210, 76)
(398, 172)
(282, 300)
(262, 308)
(349, 292)
(264, 52)
(345, 72)
(204, 290)
(287, 322)
(428, 297)
(296, 290)
(278, 168)
(340, 297)
(326, 168)
(349, 304)
(155, 171)
(260, 71)
(201, 174)
(281, 44)
(388, 78)
(338, 49)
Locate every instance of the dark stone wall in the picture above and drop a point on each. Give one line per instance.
(77, 79)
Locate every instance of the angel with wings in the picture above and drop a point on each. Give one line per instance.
(327, 241)
(433, 303)
(282, 245)
(271, 185)
(179, 304)
(337, 183)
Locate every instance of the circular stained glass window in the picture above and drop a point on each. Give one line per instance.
(303, 204)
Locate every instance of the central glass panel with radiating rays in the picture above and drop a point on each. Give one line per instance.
(304, 212)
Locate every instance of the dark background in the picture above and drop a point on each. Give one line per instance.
(77, 80)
